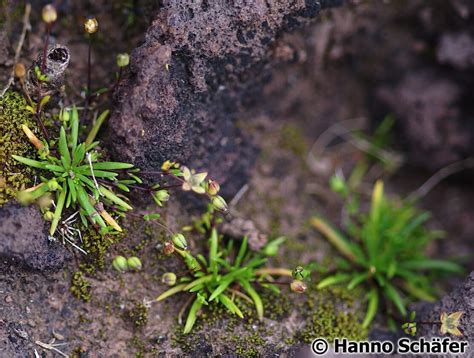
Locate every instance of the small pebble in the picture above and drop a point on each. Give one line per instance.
(8, 299)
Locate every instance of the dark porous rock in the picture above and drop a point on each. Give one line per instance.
(24, 240)
(461, 299)
(201, 65)
(426, 104)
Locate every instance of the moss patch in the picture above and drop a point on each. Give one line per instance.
(80, 287)
(13, 175)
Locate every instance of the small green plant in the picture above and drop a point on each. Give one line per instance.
(448, 323)
(225, 275)
(386, 253)
(77, 178)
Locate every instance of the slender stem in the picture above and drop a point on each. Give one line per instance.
(273, 271)
(45, 48)
(89, 81)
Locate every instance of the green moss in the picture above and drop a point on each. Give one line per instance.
(292, 139)
(138, 315)
(80, 287)
(96, 246)
(13, 175)
(330, 314)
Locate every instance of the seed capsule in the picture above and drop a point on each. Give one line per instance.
(134, 263)
(91, 25)
(123, 59)
(168, 248)
(219, 203)
(180, 241)
(120, 263)
(168, 278)
(49, 14)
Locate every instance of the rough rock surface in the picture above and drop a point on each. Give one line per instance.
(24, 240)
(462, 299)
(200, 64)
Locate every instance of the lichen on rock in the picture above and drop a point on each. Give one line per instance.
(13, 175)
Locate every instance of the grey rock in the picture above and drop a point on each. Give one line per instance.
(24, 240)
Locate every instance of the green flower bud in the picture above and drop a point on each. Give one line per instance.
(219, 203)
(134, 263)
(64, 116)
(180, 241)
(120, 263)
(122, 59)
(338, 185)
(53, 185)
(298, 286)
(168, 278)
(213, 187)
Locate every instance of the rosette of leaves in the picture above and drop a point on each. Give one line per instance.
(386, 254)
(76, 177)
(223, 276)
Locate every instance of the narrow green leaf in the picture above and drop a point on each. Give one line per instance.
(358, 279)
(200, 280)
(74, 129)
(171, 292)
(54, 168)
(213, 251)
(372, 307)
(231, 306)
(394, 296)
(242, 251)
(333, 280)
(335, 238)
(58, 210)
(221, 288)
(114, 198)
(111, 165)
(72, 189)
(79, 155)
(255, 297)
(428, 264)
(63, 149)
(30, 162)
(197, 304)
(96, 127)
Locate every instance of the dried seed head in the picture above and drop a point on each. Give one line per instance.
(91, 25)
(298, 286)
(49, 14)
(168, 248)
(123, 59)
(20, 70)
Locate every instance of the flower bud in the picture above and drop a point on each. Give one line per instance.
(64, 116)
(298, 286)
(122, 59)
(53, 185)
(134, 263)
(49, 14)
(162, 195)
(219, 203)
(120, 263)
(180, 241)
(48, 216)
(213, 187)
(91, 25)
(168, 278)
(168, 248)
(20, 70)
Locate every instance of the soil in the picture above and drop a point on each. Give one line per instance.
(354, 63)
